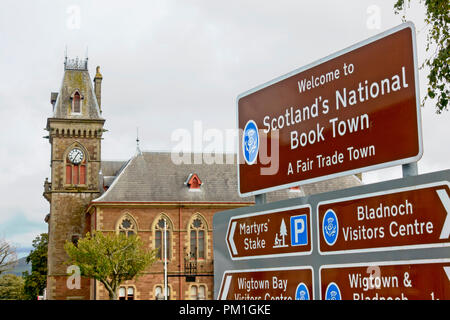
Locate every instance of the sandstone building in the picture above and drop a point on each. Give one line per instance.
(135, 196)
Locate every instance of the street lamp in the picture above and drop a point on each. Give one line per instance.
(165, 259)
(163, 224)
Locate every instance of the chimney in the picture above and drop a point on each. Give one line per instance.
(98, 87)
(53, 97)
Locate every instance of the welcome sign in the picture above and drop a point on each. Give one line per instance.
(353, 111)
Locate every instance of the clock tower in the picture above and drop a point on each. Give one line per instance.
(75, 133)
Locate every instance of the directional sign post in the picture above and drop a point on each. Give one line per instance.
(273, 233)
(412, 217)
(389, 240)
(407, 280)
(291, 283)
(353, 111)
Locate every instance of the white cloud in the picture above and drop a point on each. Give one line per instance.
(166, 64)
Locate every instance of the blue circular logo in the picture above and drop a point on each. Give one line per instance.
(250, 142)
(302, 292)
(333, 292)
(330, 227)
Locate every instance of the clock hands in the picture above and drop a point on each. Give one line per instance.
(76, 156)
(79, 157)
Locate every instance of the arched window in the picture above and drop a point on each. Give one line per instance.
(75, 239)
(160, 225)
(197, 242)
(76, 170)
(76, 102)
(159, 292)
(197, 292)
(193, 293)
(127, 226)
(130, 293)
(122, 293)
(126, 293)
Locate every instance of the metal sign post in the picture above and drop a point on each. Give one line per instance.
(165, 260)
(368, 233)
(410, 169)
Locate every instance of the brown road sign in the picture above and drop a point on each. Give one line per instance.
(406, 218)
(289, 283)
(403, 280)
(268, 234)
(353, 111)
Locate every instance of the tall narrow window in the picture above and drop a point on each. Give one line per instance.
(159, 238)
(201, 244)
(122, 293)
(193, 244)
(201, 292)
(76, 103)
(130, 293)
(68, 174)
(76, 163)
(197, 239)
(159, 292)
(194, 293)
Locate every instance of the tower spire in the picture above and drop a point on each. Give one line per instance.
(138, 150)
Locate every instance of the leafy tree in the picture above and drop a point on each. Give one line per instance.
(437, 19)
(36, 282)
(110, 258)
(8, 257)
(11, 287)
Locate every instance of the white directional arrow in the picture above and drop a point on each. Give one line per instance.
(447, 271)
(230, 238)
(226, 287)
(445, 233)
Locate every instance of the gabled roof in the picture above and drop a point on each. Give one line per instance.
(154, 177)
(193, 179)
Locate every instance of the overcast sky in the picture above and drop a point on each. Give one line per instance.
(166, 65)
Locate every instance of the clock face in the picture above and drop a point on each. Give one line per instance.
(76, 156)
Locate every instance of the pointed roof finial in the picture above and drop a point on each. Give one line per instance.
(98, 75)
(138, 150)
(65, 56)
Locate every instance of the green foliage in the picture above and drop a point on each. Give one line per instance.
(437, 19)
(11, 287)
(35, 282)
(110, 258)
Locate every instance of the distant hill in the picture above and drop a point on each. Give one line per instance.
(21, 266)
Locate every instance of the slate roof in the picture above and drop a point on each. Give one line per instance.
(111, 168)
(153, 177)
(81, 81)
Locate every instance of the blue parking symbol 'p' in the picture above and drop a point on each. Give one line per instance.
(299, 230)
